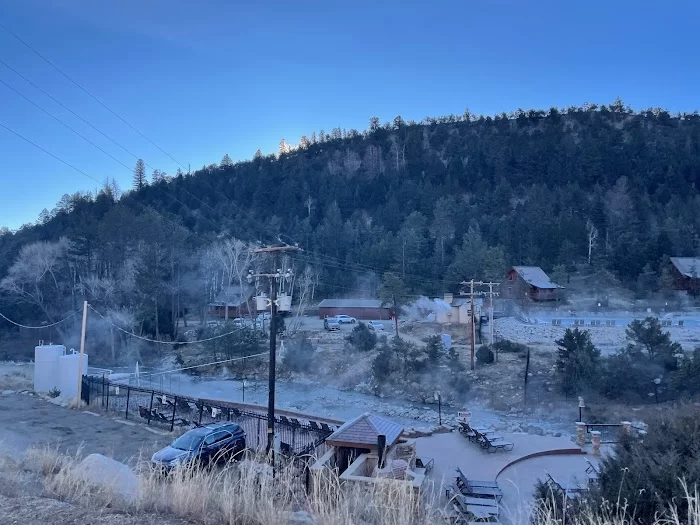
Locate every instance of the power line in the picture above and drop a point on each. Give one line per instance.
(114, 141)
(147, 208)
(64, 124)
(66, 107)
(103, 151)
(40, 327)
(88, 93)
(149, 374)
(164, 342)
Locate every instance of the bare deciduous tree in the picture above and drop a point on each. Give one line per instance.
(592, 232)
(36, 273)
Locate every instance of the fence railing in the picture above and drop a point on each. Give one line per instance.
(170, 411)
(609, 432)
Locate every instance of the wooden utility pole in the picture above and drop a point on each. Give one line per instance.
(82, 351)
(396, 316)
(491, 293)
(472, 283)
(274, 277)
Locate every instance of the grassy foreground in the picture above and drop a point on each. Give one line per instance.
(244, 493)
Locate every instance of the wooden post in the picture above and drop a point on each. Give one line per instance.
(150, 408)
(128, 392)
(172, 419)
(82, 351)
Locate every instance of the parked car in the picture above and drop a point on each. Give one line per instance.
(343, 319)
(375, 325)
(239, 321)
(331, 324)
(204, 445)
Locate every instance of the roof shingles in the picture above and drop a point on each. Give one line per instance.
(535, 276)
(364, 430)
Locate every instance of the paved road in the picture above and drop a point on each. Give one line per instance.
(29, 421)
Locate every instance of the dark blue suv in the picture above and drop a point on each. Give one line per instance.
(204, 445)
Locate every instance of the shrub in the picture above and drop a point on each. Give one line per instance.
(460, 383)
(484, 355)
(577, 361)
(54, 392)
(300, 355)
(434, 348)
(509, 347)
(384, 364)
(362, 338)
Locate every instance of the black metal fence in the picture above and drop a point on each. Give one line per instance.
(609, 432)
(298, 437)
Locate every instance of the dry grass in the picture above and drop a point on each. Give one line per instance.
(245, 493)
(16, 380)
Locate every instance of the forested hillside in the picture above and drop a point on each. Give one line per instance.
(435, 202)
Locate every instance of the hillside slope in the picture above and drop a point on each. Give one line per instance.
(434, 202)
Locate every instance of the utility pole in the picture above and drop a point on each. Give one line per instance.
(396, 316)
(471, 283)
(491, 293)
(82, 351)
(274, 278)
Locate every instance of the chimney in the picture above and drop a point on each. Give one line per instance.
(448, 298)
(381, 449)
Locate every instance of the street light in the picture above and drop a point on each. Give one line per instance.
(438, 398)
(581, 406)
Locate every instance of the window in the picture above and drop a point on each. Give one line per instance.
(211, 439)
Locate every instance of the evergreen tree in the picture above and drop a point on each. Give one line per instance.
(140, 181)
(577, 360)
(226, 161)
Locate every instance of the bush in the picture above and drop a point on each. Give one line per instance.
(460, 383)
(484, 355)
(384, 364)
(362, 338)
(509, 347)
(647, 473)
(54, 392)
(300, 355)
(625, 378)
(434, 348)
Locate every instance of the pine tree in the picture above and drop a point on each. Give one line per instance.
(140, 181)
(226, 161)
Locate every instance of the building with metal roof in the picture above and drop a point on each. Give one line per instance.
(234, 298)
(531, 282)
(686, 273)
(370, 309)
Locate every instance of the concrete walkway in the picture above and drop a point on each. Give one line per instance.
(454, 450)
(516, 471)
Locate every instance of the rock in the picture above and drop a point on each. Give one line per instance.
(7, 392)
(101, 470)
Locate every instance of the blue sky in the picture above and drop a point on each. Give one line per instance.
(205, 78)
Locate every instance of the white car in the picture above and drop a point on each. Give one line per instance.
(343, 319)
(375, 325)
